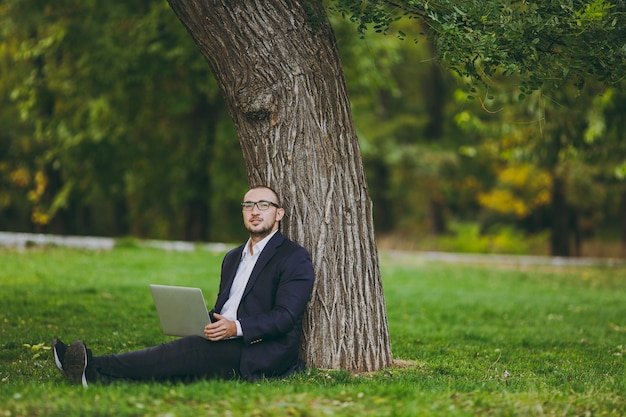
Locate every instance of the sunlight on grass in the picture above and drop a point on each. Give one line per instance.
(471, 339)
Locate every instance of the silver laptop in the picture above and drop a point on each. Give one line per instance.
(182, 310)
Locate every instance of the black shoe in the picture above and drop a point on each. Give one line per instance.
(59, 348)
(75, 363)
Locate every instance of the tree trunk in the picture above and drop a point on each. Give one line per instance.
(578, 233)
(120, 210)
(279, 72)
(197, 225)
(437, 215)
(623, 222)
(434, 95)
(560, 218)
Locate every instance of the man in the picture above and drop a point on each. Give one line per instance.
(255, 331)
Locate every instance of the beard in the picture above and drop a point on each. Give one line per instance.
(261, 232)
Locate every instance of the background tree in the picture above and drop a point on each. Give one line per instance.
(130, 147)
(388, 82)
(403, 106)
(547, 45)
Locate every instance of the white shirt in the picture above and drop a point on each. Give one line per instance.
(246, 265)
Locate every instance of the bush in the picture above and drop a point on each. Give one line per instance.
(468, 238)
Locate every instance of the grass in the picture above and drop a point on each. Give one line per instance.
(481, 340)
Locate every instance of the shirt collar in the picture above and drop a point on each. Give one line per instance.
(258, 247)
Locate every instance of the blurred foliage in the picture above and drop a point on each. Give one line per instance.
(520, 190)
(469, 238)
(548, 43)
(115, 124)
(111, 123)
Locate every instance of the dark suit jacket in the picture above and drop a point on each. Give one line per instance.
(271, 309)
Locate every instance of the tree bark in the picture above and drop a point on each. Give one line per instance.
(280, 74)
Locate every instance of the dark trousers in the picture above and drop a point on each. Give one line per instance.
(187, 358)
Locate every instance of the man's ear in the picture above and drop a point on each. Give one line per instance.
(280, 212)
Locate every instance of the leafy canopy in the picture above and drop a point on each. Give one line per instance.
(547, 43)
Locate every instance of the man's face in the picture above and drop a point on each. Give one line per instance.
(261, 223)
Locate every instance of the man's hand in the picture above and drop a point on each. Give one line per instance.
(221, 329)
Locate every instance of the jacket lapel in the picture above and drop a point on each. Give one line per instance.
(268, 252)
(229, 270)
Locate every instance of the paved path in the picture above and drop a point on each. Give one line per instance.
(23, 240)
(521, 260)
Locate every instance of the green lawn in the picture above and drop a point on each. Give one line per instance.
(482, 340)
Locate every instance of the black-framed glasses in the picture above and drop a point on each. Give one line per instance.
(261, 205)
